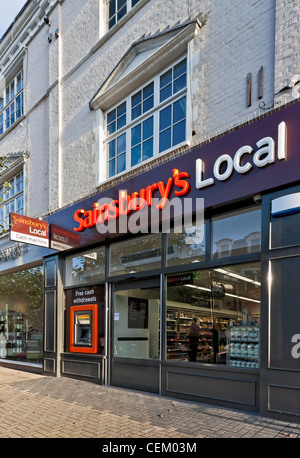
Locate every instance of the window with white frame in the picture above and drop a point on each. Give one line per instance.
(116, 9)
(149, 121)
(11, 102)
(11, 199)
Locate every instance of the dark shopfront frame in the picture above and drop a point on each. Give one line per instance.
(269, 390)
(219, 385)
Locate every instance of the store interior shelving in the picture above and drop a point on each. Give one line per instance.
(219, 339)
(12, 333)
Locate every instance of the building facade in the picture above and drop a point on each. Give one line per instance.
(106, 107)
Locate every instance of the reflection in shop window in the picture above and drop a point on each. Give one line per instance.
(225, 305)
(21, 316)
(187, 246)
(86, 267)
(138, 254)
(236, 233)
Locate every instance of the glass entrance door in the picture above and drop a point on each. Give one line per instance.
(135, 345)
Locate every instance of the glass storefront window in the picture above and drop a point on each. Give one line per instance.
(21, 316)
(136, 323)
(86, 267)
(236, 233)
(136, 255)
(213, 316)
(284, 230)
(186, 247)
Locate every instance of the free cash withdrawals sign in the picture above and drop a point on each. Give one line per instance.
(29, 230)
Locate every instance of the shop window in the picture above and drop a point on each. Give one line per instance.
(213, 316)
(136, 323)
(136, 255)
(285, 220)
(284, 230)
(116, 9)
(1, 122)
(148, 122)
(21, 316)
(187, 246)
(86, 267)
(11, 102)
(11, 199)
(284, 313)
(236, 233)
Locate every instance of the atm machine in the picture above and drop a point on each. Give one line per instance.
(84, 329)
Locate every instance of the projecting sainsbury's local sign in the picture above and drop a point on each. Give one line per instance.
(29, 230)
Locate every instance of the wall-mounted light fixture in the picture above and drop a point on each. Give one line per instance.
(47, 21)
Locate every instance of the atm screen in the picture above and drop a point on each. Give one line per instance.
(83, 328)
(83, 319)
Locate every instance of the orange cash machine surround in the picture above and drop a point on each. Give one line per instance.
(84, 328)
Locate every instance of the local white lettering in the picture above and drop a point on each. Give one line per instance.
(296, 348)
(37, 232)
(225, 165)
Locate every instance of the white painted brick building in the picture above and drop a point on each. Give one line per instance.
(59, 131)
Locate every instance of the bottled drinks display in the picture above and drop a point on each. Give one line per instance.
(12, 334)
(244, 345)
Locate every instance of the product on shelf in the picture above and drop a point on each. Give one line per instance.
(12, 334)
(178, 325)
(243, 346)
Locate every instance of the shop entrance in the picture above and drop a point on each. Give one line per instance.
(135, 343)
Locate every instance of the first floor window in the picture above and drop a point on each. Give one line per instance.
(142, 141)
(11, 102)
(116, 9)
(172, 125)
(117, 155)
(148, 122)
(11, 200)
